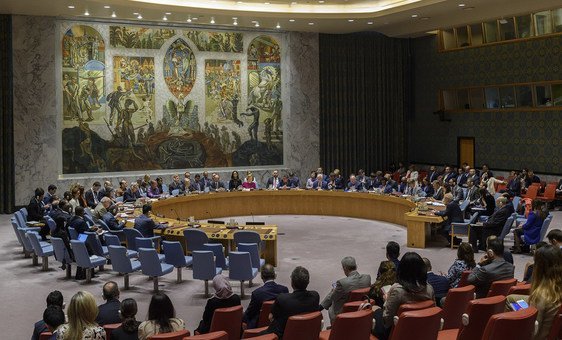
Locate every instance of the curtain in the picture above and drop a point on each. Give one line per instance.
(365, 98)
(7, 195)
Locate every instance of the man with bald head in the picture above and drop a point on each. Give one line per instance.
(493, 226)
(109, 311)
(267, 292)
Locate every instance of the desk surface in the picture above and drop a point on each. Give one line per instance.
(294, 202)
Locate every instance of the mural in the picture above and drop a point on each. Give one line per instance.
(216, 41)
(83, 58)
(139, 37)
(179, 69)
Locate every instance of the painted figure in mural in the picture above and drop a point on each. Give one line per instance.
(94, 94)
(86, 142)
(84, 101)
(235, 119)
(71, 94)
(129, 109)
(253, 128)
(277, 108)
(237, 140)
(268, 128)
(225, 138)
(113, 102)
(179, 68)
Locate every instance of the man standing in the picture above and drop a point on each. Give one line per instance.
(267, 292)
(492, 267)
(109, 311)
(334, 301)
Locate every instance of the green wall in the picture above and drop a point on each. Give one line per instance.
(504, 140)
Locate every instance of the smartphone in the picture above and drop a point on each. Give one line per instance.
(520, 304)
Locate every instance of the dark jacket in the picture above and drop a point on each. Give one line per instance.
(130, 196)
(497, 220)
(145, 225)
(39, 328)
(109, 313)
(452, 212)
(287, 305)
(482, 277)
(267, 292)
(120, 334)
(439, 283)
(35, 210)
(212, 304)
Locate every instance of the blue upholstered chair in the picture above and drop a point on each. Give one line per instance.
(545, 225)
(73, 234)
(195, 239)
(62, 255)
(20, 220)
(113, 240)
(41, 250)
(121, 263)
(103, 225)
(51, 223)
(89, 220)
(218, 251)
(252, 248)
(27, 247)
(204, 267)
(241, 269)
(131, 234)
(173, 253)
(84, 260)
(165, 189)
(462, 229)
(506, 227)
(151, 265)
(247, 236)
(149, 242)
(95, 244)
(23, 212)
(15, 227)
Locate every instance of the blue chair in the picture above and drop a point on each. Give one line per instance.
(131, 234)
(84, 260)
(463, 206)
(103, 225)
(121, 262)
(23, 212)
(88, 212)
(15, 227)
(42, 251)
(165, 189)
(113, 240)
(241, 269)
(89, 220)
(515, 202)
(204, 267)
(506, 228)
(462, 229)
(173, 253)
(20, 220)
(195, 239)
(95, 243)
(175, 192)
(247, 236)
(62, 255)
(148, 242)
(218, 251)
(27, 247)
(252, 248)
(151, 265)
(51, 223)
(545, 225)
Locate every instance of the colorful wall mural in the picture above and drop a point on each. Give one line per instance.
(138, 104)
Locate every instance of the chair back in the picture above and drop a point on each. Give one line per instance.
(425, 322)
(204, 267)
(464, 204)
(218, 251)
(240, 266)
(103, 225)
(464, 278)
(550, 191)
(522, 289)
(265, 309)
(111, 240)
(179, 335)
(473, 218)
(515, 201)
(130, 235)
(51, 223)
(477, 315)
(512, 325)
(94, 243)
(23, 212)
(89, 220)
(195, 239)
(81, 255)
(150, 263)
(119, 260)
(303, 326)
(247, 236)
(45, 336)
(73, 234)
(545, 225)
(407, 307)
(556, 329)
(501, 287)
(358, 294)
(506, 227)
(145, 242)
(220, 335)
(352, 325)
(61, 253)
(20, 219)
(173, 253)
(269, 336)
(456, 304)
(15, 227)
(532, 191)
(253, 249)
(26, 243)
(228, 320)
(110, 328)
(36, 245)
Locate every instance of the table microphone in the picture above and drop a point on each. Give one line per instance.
(175, 212)
(251, 213)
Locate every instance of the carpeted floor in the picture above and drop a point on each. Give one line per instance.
(315, 242)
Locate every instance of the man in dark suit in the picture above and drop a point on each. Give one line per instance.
(267, 292)
(53, 299)
(514, 185)
(273, 181)
(354, 184)
(50, 194)
(453, 213)
(433, 174)
(492, 267)
(132, 194)
(36, 211)
(439, 283)
(94, 195)
(176, 185)
(448, 174)
(334, 301)
(295, 181)
(216, 184)
(109, 311)
(493, 226)
(319, 183)
(300, 301)
(145, 224)
(197, 185)
(78, 222)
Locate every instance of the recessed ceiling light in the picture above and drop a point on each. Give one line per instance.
(189, 18)
(293, 3)
(212, 20)
(369, 22)
(350, 20)
(292, 20)
(107, 7)
(139, 17)
(195, 18)
(462, 5)
(414, 15)
(71, 6)
(266, 3)
(239, 2)
(165, 18)
(113, 15)
(257, 24)
(86, 13)
(136, 13)
(278, 26)
(321, 1)
(311, 23)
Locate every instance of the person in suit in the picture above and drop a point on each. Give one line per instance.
(300, 301)
(531, 178)
(433, 174)
(144, 224)
(448, 174)
(513, 185)
(129, 329)
(426, 187)
(197, 185)
(456, 191)
(493, 225)
(55, 299)
(235, 182)
(354, 184)
(295, 181)
(78, 222)
(53, 316)
(285, 183)
(120, 191)
(36, 211)
(320, 184)
(273, 181)
(153, 191)
(94, 195)
(439, 283)
(453, 213)
(392, 255)
(205, 180)
(438, 191)
(216, 185)
(492, 267)
(473, 193)
(109, 311)
(555, 237)
(223, 298)
(50, 194)
(267, 292)
(473, 176)
(132, 194)
(176, 185)
(333, 302)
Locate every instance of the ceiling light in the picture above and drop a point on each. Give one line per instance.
(189, 18)
(462, 5)
(136, 13)
(239, 2)
(71, 6)
(503, 21)
(266, 3)
(257, 24)
(113, 15)
(414, 15)
(235, 23)
(278, 26)
(86, 13)
(212, 20)
(195, 18)
(165, 18)
(369, 22)
(293, 3)
(139, 17)
(320, 1)
(292, 20)
(107, 7)
(350, 20)
(311, 23)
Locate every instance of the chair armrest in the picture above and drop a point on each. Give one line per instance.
(395, 320)
(34, 229)
(459, 224)
(465, 319)
(442, 322)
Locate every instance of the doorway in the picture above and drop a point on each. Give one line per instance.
(465, 151)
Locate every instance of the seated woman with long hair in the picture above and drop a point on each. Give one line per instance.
(411, 286)
(546, 288)
(250, 184)
(82, 312)
(223, 298)
(387, 277)
(161, 318)
(235, 181)
(129, 329)
(530, 232)
(464, 261)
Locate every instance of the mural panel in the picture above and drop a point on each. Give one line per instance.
(139, 37)
(217, 41)
(180, 69)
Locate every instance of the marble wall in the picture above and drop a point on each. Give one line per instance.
(37, 151)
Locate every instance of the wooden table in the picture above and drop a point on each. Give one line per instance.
(419, 228)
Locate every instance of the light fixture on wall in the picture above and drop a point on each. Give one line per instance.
(212, 20)
(235, 22)
(257, 24)
(189, 18)
(165, 18)
(113, 15)
(86, 13)
(71, 7)
(107, 7)
(139, 16)
(503, 21)
(278, 26)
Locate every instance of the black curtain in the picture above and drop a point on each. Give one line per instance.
(7, 199)
(365, 98)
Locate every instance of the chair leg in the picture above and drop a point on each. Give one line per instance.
(68, 271)
(179, 270)
(89, 275)
(126, 281)
(35, 260)
(26, 255)
(250, 283)
(206, 288)
(101, 268)
(452, 239)
(155, 280)
(45, 263)
(241, 289)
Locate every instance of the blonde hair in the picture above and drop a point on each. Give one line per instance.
(82, 312)
(546, 285)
